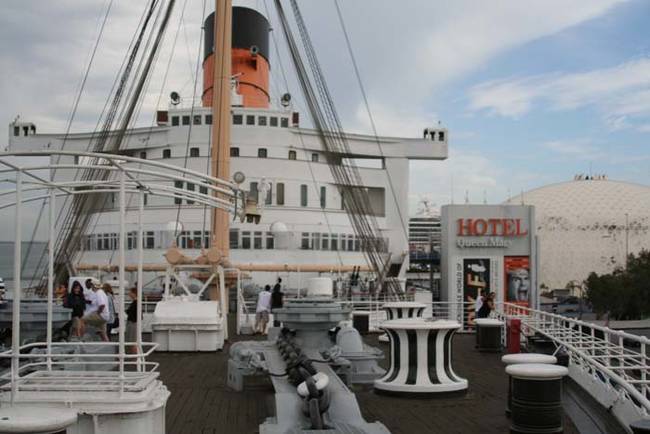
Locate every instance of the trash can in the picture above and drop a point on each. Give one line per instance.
(361, 321)
(536, 398)
(488, 334)
(524, 358)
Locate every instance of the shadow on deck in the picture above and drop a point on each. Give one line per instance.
(201, 402)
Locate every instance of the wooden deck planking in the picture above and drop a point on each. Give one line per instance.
(202, 403)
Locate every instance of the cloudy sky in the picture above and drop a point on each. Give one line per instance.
(532, 92)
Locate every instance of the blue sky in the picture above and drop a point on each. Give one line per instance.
(533, 92)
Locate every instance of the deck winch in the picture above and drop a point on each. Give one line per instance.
(310, 360)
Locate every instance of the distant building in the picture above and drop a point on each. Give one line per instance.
(587, 225)
(422, 232)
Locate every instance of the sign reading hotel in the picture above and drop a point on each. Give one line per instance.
(495, 232)
(488, 249)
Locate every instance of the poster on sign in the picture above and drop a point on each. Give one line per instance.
(517, 280)
(476, 280)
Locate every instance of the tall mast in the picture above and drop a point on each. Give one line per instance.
(220, 153)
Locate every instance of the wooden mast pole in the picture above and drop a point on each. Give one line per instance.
(220, 153)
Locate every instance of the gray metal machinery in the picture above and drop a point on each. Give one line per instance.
(310, 361)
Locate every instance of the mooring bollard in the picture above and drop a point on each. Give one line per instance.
(488, 334)
(402, 309)
(536, 398)
(420, 357)
(523, 359)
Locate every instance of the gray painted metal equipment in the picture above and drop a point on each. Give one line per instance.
(308, 371)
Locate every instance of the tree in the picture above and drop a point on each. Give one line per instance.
(624, 293)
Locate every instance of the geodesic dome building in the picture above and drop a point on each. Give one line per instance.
(587, 225)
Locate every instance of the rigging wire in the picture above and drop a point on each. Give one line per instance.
(302, 142)
(73, 113)
(370, 117)
(189, 130)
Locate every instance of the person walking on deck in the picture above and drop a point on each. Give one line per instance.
(97, 314)
(112, 314)
(262, 310)
(77, 302)
(277, 300)
(132, 321)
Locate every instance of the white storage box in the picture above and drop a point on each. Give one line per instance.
(182, 325)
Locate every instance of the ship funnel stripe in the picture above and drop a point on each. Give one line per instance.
(249, 29)
(395, 352)
(412, 374)
(447, 355)
(433, 373)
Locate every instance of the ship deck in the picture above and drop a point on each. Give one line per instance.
(201, 402)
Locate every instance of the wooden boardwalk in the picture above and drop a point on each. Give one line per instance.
(201, 403)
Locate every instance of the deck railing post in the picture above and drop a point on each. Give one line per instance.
(122, 275)
(140, 277)
(15, 326)
(50, 274)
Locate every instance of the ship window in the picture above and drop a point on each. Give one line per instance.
(257, 240)
(304, 243)
(175, 121)
(143, 155)
(441, 136)
(350, 242)
(357, 244)
(167, 153)
(149, 239)
(206, 239)
(253, 193)
(314, 158)
(303, 195)
(323, 197)
(26, 131)
(16, 131)
(197, 120)
(261, 152)
(194, 152)
(32, 129)
(284, 122)
(325, 242)
(245, 240)
(273, 121)
(335, 241)
(237, 119)
(250, 120)
(292, 155)
(270, 244)
(203, 189)
(261, 121)
(178, 184)
(234, 152)
(234, 238)
(269, 195)
(186, 120)
(196, 239)
(279, 194)
(315, 241)
(190, 187)
(208, 119)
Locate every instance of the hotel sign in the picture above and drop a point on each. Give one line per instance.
(494, 232)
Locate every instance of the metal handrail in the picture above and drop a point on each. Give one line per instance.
(607, 356)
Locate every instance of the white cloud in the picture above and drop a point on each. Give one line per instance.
(619, 93)
(570, 147)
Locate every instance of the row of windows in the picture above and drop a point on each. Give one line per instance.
(239, 239)
(237, 119)
(234, 152)
(279, 194)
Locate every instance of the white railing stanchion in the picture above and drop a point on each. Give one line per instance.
(140, 277)
(50, 273)
(121, 274)
(17, 282)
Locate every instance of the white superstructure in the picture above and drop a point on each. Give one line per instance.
(268, 145)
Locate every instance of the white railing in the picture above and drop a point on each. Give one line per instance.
(65, 369)
(611, 365)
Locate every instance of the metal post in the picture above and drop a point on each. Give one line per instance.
(140, 276)
(627, 238)
(222, 300)
(50, 276)
(15, 327)
(121, 273)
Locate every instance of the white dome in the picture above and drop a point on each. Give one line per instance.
(278, 228)
(581, 227)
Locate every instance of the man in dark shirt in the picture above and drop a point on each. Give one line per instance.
(277, 299)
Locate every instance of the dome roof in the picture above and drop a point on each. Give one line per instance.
(587, 225)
